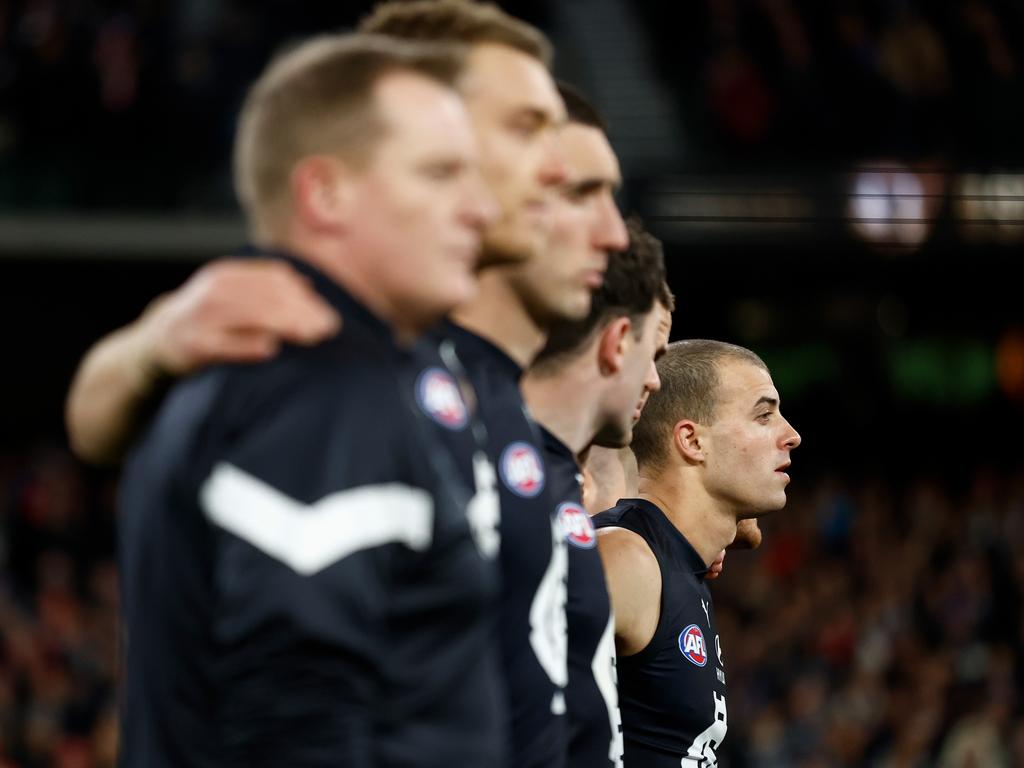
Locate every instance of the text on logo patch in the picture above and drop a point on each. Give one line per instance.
(692, 645)
(438, 395)
(521, 469)
(576, 525)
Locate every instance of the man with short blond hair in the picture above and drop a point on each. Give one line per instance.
(461, 21)
(301, 582)
(319, 99)
(712, 448)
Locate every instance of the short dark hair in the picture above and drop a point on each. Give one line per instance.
(460, 21)
(690, 385)
(634, 281)
(579, 108)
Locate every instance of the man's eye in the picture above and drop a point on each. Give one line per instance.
(442, 171)
(527, 127)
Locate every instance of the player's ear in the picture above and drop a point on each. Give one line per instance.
(322, 191)
(688, 441)
(611, 350)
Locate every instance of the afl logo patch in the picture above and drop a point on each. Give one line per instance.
(439, 397)
(522, 470)
(576, 525)
(691, 643)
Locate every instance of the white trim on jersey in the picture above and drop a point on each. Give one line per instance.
(702, 752)
(310, 537)
(549, 634)
(605, 675)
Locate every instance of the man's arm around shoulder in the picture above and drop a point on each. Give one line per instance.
(228, 311)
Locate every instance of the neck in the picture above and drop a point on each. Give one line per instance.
(565, 402)
(499, 315)
(707, 525)
(337, 263)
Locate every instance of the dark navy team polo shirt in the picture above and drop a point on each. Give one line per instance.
(595, 739)
(532, 629)
(672, 693)
(301, 584)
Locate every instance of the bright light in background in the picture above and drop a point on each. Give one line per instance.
(991, 207)
(893, 206)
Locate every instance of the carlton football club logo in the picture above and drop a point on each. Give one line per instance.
(691, 643)
(439, 397)
(522, 470)
(576, 525)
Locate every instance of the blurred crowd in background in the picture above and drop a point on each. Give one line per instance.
(880, 623)
(132, 103)
(801, 81)
(58, 613)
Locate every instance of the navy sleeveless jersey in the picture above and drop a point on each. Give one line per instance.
(595, 739)
(672, 693)
(300, 582)
(533, 557)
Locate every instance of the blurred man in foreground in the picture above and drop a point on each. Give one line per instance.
(292, 542)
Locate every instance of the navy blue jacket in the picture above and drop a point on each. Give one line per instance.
(301, 583)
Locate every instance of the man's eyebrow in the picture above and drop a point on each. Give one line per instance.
(536, 115)
(773, 402)
(588, 184)
(591, 185)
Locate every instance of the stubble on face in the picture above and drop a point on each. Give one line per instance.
(745, 443)
(516, 113)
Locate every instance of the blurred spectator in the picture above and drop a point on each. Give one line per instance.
(800, 82)
(131, 104)
(58, 615)
(893, 650)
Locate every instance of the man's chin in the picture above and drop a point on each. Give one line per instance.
(614, 438)
(507, 248)
(576, 306)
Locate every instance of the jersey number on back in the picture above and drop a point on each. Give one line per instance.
(484, 509)
(702, 752)
(549, 636)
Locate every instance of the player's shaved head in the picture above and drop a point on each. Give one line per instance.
(690, 386)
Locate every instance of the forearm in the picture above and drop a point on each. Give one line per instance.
(228, 311)
(114, 389)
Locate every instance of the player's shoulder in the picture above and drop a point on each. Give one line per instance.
(625, 515)
(337, 374)
(634, 583)
(304, 401)
(626, 550)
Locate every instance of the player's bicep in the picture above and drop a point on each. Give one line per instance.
(634, 586)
